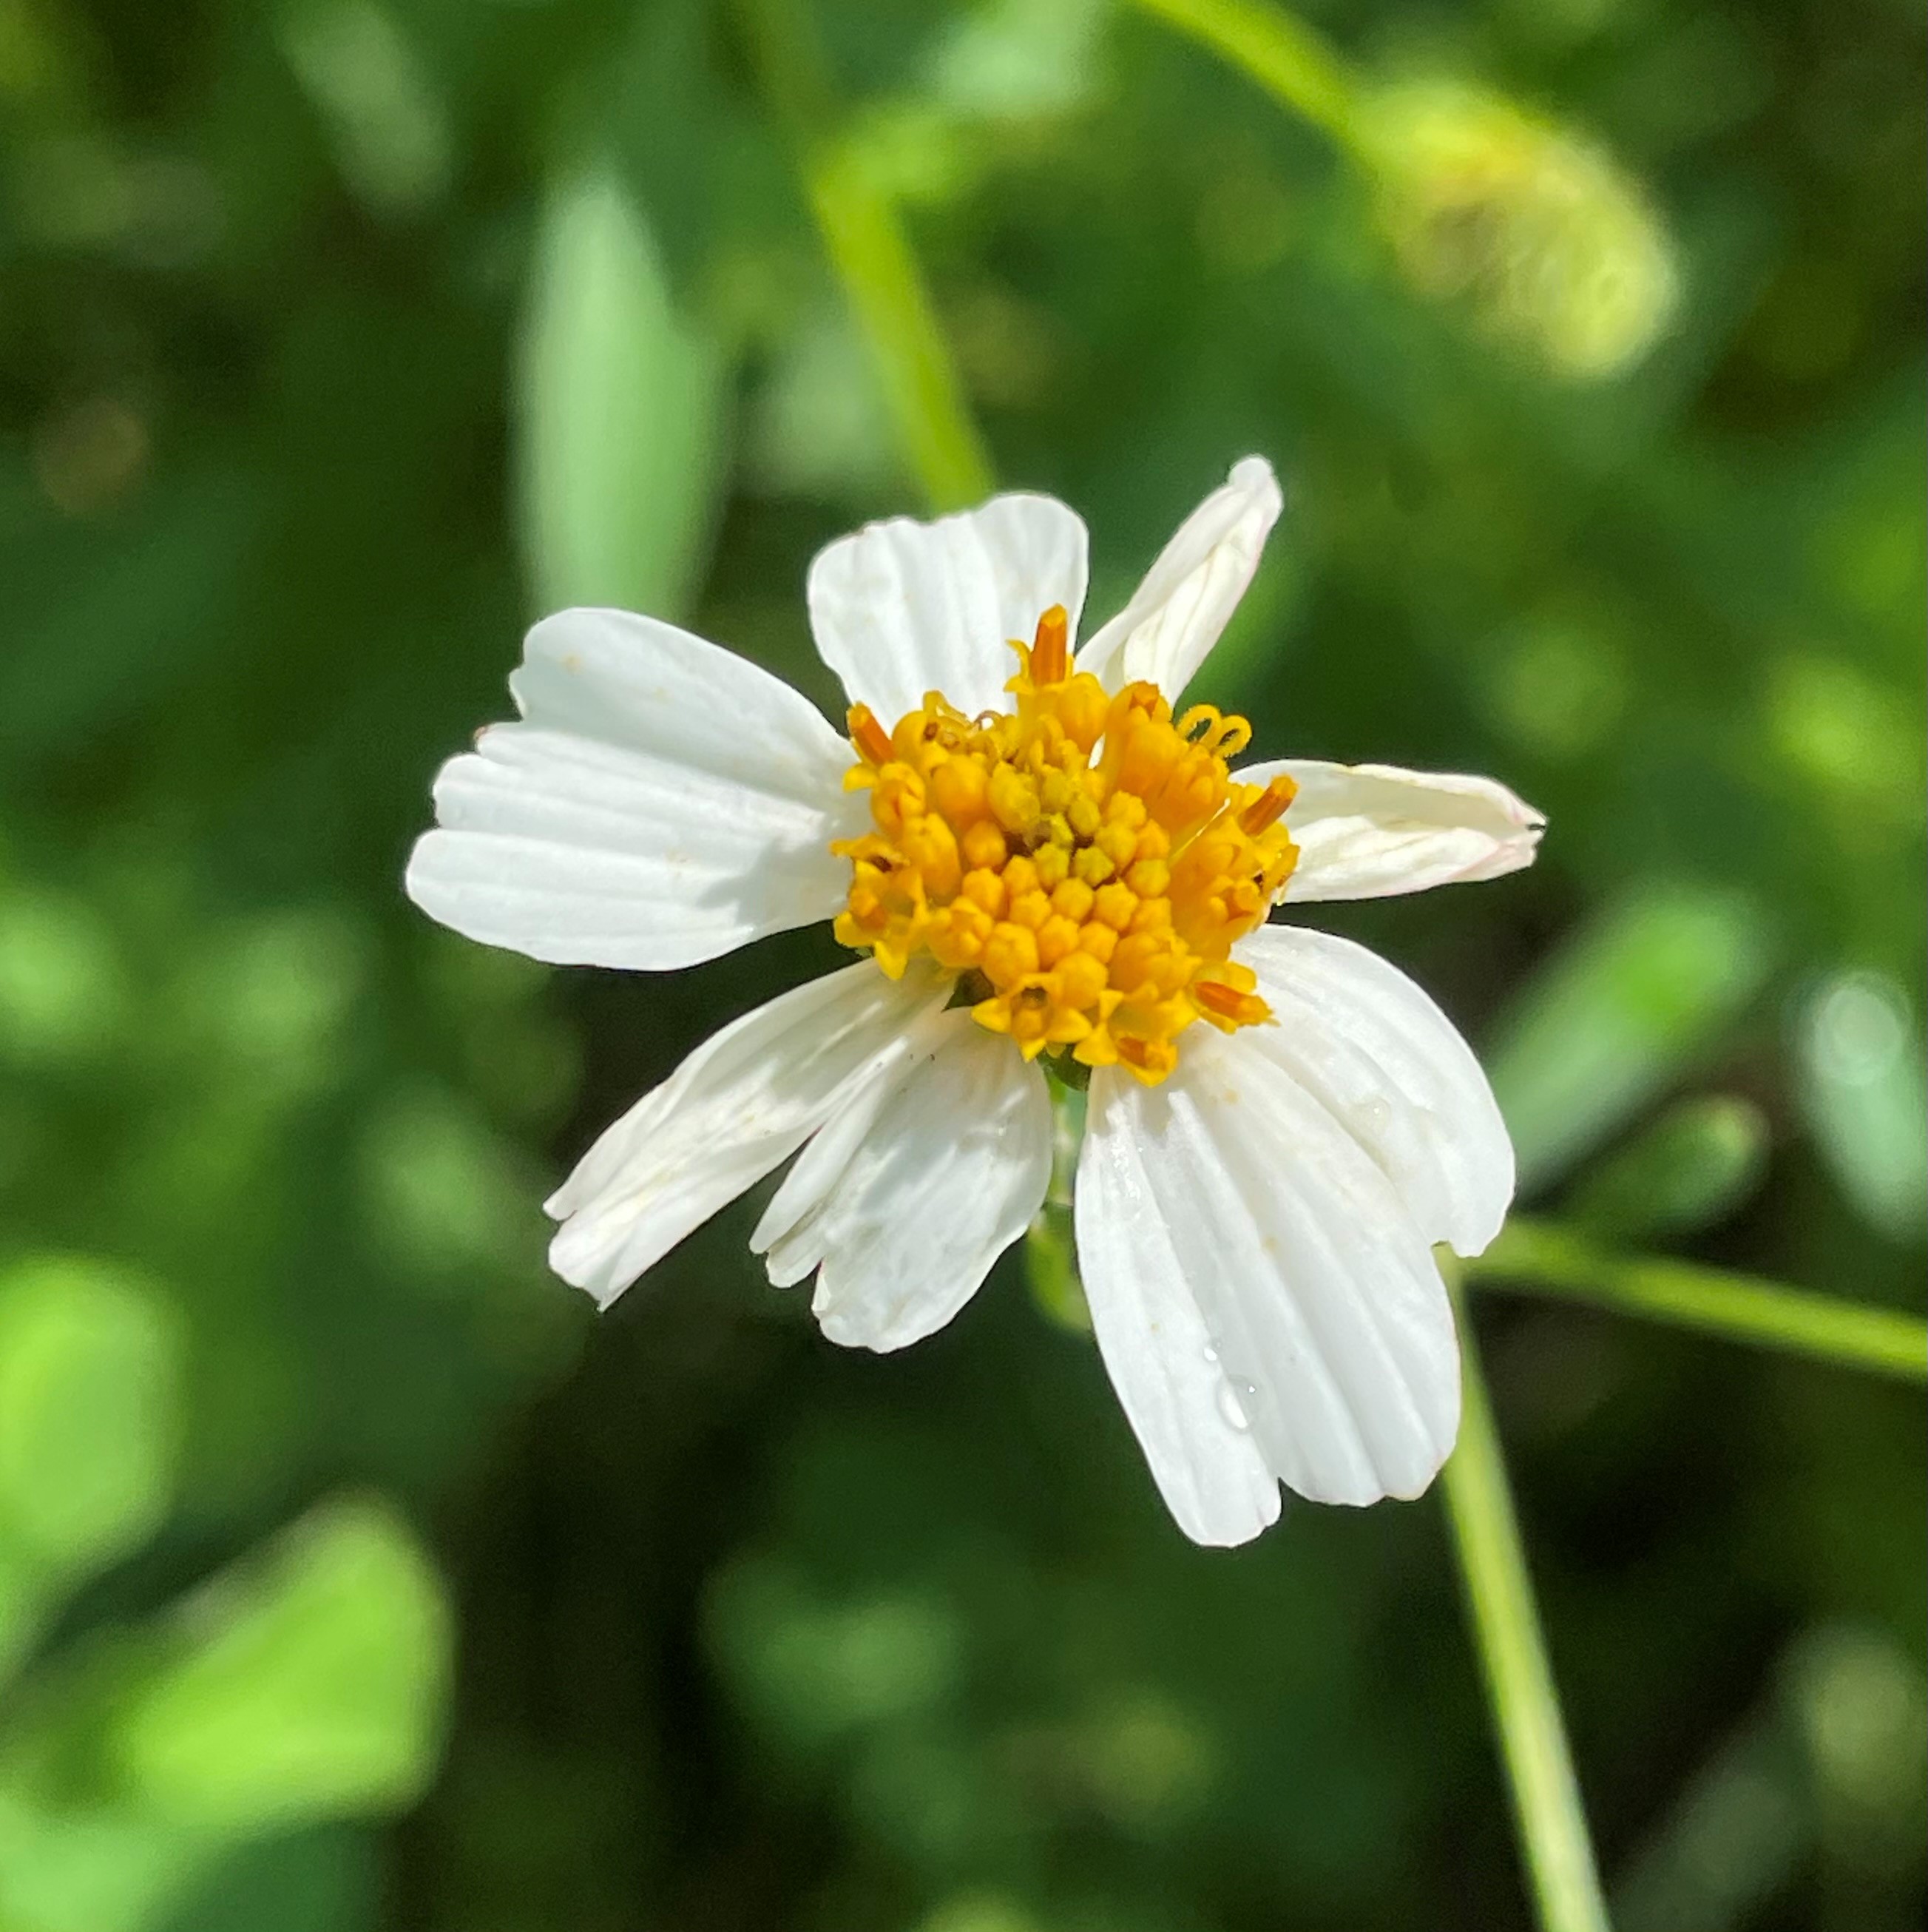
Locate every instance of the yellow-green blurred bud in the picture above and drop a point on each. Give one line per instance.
(1553, 249)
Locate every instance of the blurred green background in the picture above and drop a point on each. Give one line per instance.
(351, 1575)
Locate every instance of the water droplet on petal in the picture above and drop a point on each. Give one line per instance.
(1229, 1407)
(1211, 1353)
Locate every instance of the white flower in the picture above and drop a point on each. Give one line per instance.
(1280, 1125)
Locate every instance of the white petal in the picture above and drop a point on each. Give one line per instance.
(1318, 1293)
(1391, 1069)
(737, 1107)
(1174, 1390)
(1364, 832)
(902, 607)
(663, 801)
(1189, 594)
(907, 1197)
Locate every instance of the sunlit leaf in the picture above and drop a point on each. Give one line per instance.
(1618, 1014)
(308, 1684)
(1865, 1097)
(1691, 1167)
(88, 1421)
(619, 410)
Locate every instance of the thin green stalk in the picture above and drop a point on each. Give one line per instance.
(1294, 64)
(872, 254)
(1550, 1820)
(1539, 1259)
(1050, 1246)
(873, 259)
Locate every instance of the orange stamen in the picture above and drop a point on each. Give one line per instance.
(1221, 1000)
(871, 739)
(1214, 996)
(1270, 805)
(1050, 657)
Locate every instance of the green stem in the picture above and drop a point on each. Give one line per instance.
(1537, 1258)
(1050, 1247)
(1548, 1814)
(872, 256)
(1294, 64)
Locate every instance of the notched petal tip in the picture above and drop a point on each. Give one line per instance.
(1187, 597)
(1371, 831)
(1256, 476)
(580, 1271)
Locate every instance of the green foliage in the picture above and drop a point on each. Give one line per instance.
(306, 1684)
(1697, 1162)
(619, 408)
(89, 1393)
(1631, 1002)
(307, 1688)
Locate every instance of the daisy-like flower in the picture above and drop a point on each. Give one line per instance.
(1040, 860)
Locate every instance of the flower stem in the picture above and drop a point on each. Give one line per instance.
(1296, 65)
(1050, 1250)
(1547, 1811)
(1539, 1259)
(864, 235)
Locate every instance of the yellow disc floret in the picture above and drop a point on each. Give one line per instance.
(1083, 863)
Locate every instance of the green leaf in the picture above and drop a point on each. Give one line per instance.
(88, 1427)
(1688, 1170)
(619, 410)
(310, 1683)
(1629, 1004)
(1865, 1097)
(389, 129)
(86, 1871)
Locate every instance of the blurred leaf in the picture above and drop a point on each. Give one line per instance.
(1689, 1169)
(308, 1684)
(1864, 1095)
(62, 990)
(86, 1871)
(390, 135)
(442, 1192)
(818, 426)
(1007, 59)
(619, 414)
(1860, 1702)
(328, 1879)
(1728, 1844)
(88, 1427)
(1622, 1010)
(818, 1670)
(101, 628)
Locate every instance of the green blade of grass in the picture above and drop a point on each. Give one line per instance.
(1547, 1811)
(1537, 1258)
(868, 248)
(1278, 50)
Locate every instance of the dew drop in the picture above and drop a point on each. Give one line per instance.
(1229, 1405)
(1211, 1353)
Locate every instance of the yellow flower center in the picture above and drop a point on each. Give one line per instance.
(1083, 863)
